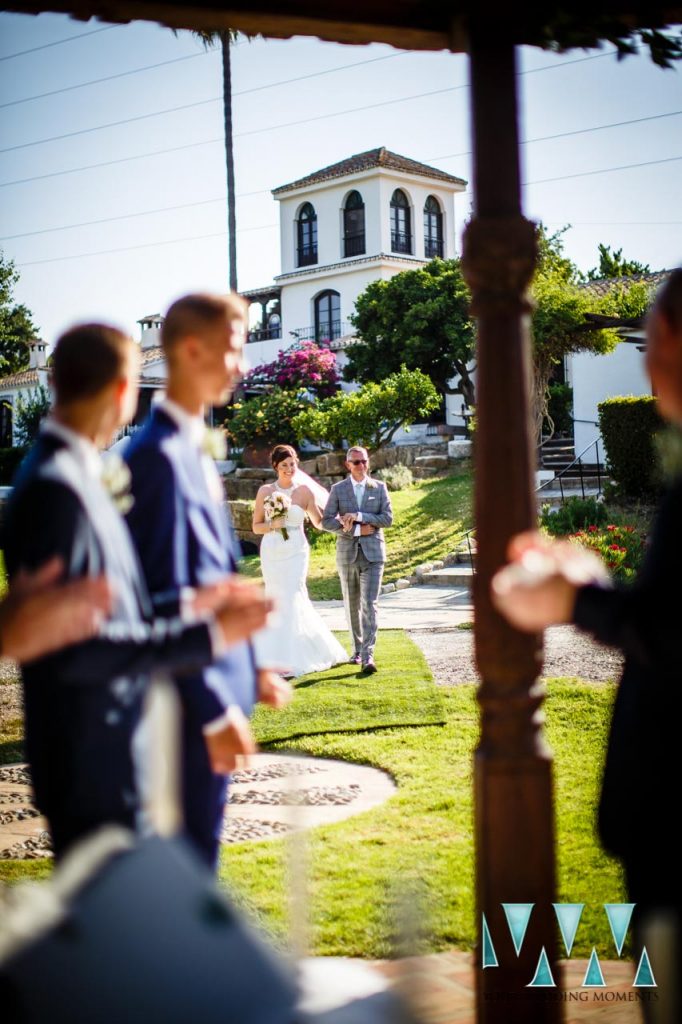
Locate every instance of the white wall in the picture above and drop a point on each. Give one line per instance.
(596, 377)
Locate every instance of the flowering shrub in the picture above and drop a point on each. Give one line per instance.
(266, 418)
(621, 547)
(303, 366)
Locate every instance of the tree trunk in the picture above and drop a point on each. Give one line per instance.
(229, 161)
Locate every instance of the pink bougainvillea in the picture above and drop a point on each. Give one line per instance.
(303, 366)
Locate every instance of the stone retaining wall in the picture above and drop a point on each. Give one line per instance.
(242, 486)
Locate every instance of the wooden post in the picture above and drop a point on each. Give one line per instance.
(513, 766)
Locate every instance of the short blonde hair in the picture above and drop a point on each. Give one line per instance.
(197, 314)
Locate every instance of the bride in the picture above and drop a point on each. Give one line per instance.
(296, 640)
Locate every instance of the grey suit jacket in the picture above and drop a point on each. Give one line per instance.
(376, 511)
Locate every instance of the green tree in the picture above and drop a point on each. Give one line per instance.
(560, 326)
(30, 412)
(371, 415)
(16, 325)
(612, 264)
(419, 319)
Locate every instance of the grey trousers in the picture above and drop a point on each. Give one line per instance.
(360, 585)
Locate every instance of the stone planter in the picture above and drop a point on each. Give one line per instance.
(257, 455)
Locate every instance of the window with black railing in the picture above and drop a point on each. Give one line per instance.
(401, 227)
(433, 228)
(307, 236)
(354, 225)
(327, 316)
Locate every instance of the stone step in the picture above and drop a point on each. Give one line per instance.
(554, 497)
(452, 576)
(572, 484)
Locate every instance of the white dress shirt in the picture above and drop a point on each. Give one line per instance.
(359, 489)
(194, 429)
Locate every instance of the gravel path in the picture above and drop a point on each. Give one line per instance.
(568, 652)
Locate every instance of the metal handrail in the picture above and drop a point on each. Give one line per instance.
(578, 460)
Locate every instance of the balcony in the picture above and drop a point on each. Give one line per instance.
(433, 247)
(401, 242)
(264, 333)
(354, 245)
(307, 254)
(325, 333)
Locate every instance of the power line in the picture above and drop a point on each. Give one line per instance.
(59, 42)
(577, 131)
(144, 245)
(603, 170)
(108, 220)
(198, 103)
(451, 156)
(98, 81)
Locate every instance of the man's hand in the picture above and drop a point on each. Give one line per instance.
(40, 615)
(366, 530)
(538, 588)
(244, 612)
(234, 741)
(272, 689)
(214, 596)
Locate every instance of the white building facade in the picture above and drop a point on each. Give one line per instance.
(363, 219)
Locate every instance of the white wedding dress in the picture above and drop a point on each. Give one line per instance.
(295, 640)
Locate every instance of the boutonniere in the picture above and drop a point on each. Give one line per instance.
(116, 480)
(214, 443)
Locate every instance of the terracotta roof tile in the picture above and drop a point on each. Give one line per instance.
(380, 157)
(604, 285)
(25, 378)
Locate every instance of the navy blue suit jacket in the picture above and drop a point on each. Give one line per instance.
(184, 538)
(82, 704)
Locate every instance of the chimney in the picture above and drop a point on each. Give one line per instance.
(150, 331)
(37, 354)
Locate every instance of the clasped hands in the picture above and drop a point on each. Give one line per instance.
(348, 522)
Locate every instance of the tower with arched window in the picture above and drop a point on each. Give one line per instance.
(364, 218)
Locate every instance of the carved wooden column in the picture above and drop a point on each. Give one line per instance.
(513, 766)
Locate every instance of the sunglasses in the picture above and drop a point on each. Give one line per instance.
(357, 462)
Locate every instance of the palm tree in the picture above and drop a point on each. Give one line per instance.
(225, 37)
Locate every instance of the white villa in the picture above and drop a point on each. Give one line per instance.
(365, 218)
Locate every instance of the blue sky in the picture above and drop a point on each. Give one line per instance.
(159, 255)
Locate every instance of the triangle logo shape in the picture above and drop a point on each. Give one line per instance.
(543, 977)
(644, 978)
(568, 915)
(593, 975)
(489, 958)
(619, 915)
(518, 916)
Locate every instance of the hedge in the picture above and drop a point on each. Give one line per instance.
(628, 425)
(9, 461)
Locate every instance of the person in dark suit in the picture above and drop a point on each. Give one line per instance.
(554, 582)
(83, 703)
(184, 539)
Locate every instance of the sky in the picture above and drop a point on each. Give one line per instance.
(117, 222)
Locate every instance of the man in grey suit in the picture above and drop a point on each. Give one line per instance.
(357, 509)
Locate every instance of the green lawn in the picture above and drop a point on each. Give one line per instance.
(428, 520)
(422, 838)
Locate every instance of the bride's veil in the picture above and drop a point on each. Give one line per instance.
(320, 493)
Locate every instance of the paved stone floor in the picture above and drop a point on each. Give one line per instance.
(441, 987)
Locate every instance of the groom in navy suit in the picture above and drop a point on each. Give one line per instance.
(184, 540)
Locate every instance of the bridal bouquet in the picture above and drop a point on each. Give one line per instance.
(276, 505)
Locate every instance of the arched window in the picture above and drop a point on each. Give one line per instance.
(433, 228)
(307, 235)
(401, 228)
(327, 316)
(354, 225)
